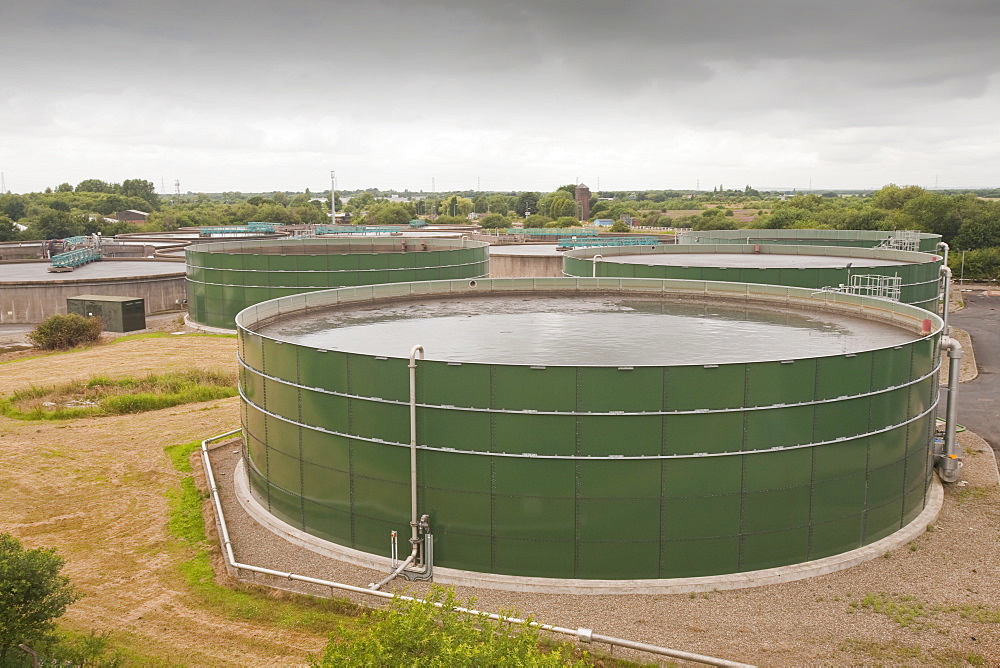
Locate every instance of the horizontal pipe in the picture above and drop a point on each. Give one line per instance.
(581, 634)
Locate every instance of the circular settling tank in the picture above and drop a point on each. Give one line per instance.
(913, 277)
(30, 293)
(917, 241)
(224, 278)
(592, 428)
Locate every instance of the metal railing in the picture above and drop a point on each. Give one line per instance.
(607, 241)
(552, 231)
(250, 228)
(75, 258)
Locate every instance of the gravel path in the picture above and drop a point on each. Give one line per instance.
(951, 571)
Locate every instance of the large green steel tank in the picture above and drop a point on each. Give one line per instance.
(896, 240)
(224, 278)
(554, 452)
(798, 266)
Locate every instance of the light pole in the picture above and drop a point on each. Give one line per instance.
(333, 197)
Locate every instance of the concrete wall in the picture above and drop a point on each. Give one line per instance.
(33, 302)
(525, 266)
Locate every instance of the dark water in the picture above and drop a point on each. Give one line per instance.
(591, 330)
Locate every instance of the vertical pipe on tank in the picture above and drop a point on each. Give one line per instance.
(946, 297)
(949, 464)
(415, 525)
(594, 260)
(942, 245)
(417, 349)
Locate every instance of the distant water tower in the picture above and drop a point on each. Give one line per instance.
(582, 197)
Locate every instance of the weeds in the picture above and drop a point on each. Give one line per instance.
(904, 610)
(101, 395)
(909, 612)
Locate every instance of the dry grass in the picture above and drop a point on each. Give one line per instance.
(97, 490)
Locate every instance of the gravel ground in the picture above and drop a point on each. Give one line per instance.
(950, 575)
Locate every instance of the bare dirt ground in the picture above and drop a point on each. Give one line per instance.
(96, 489)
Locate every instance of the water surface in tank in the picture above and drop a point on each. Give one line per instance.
(597, 330)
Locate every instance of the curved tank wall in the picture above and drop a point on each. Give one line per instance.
(797, 266)
(225, 278)
(595, 472)
(926, 242)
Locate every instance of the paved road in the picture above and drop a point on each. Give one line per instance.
(979, 400)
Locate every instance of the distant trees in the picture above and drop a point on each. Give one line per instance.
(390, 213)
(8, 231)
(502, 204)
(13, 206)
(526, 203)
(57, 225)
(138, 188)
(492, 221)
(558, 204)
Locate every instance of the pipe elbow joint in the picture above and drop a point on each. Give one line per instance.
(949, 468)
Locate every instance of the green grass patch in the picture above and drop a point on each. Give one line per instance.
(905, 610)
(106, 396)
(283, 610)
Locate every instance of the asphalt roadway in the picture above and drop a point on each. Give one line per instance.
(979, 399)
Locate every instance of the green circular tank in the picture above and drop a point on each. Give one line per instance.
(864, 271)
(621, 468)
(224, 278)
(896, 240)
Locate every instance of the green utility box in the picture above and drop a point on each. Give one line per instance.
(120, 314)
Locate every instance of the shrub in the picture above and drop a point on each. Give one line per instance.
(32, 595)
(60, 332)
(620, 226)
(418, 633)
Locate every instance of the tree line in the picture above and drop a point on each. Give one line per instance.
(968, 221)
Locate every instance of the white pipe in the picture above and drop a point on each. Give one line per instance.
(950, 464)
(946, 278)
(414, 538)
(594, 260)
(581, 634)
(413, 441)
(943, 245)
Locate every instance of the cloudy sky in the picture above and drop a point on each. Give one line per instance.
(255, 95)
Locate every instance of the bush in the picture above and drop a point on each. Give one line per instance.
(620, 226)
(418, 633)
(32, 594)
(60, 332)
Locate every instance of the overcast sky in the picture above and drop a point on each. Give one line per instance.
(255, 95)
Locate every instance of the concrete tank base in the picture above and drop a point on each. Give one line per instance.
(453, 576)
